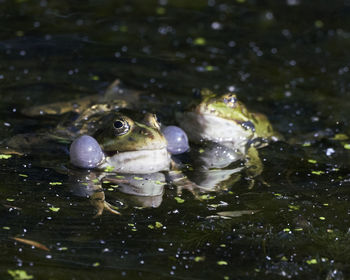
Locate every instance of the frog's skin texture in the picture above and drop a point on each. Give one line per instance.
(225, 120)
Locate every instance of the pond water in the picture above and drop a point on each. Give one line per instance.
(287, 59)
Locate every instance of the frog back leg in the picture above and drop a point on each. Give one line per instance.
(253, 164)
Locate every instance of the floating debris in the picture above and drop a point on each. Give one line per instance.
(199, 259)
(159, 225)
(340, 137)
(179, 199)
(160, 11)
(32, 243)
(293, 207)
(109, 169)
(347, 146)
(54, 209)
(206, 197)
(317, 172)
(19, 274)
(156, 225)
(62, 249)
(312, 261)
(55, 183)
(2, 156)
(235, 214)
(200, 41)
(11, 207)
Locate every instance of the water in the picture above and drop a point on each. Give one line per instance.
(287, 59)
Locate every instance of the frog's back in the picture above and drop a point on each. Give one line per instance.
(116, 96)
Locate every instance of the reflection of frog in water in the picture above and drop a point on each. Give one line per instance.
(236, 132)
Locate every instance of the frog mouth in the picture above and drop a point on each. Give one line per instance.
(142, 161)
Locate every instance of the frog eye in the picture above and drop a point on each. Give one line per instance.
(230, 100)
(121, 126)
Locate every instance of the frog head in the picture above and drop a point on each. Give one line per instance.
(225, 106)
(132, 143)
(223, 118)
(128, 142)
(120, 132)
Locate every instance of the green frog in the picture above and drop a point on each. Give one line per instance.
(226, 121)
(130, 142)
(74, 118)
(125, 148)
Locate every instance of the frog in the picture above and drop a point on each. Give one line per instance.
(114, 97)
(133, 154)
(74, 117)
(223, 125)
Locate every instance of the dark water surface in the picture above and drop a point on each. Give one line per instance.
(287, 59)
